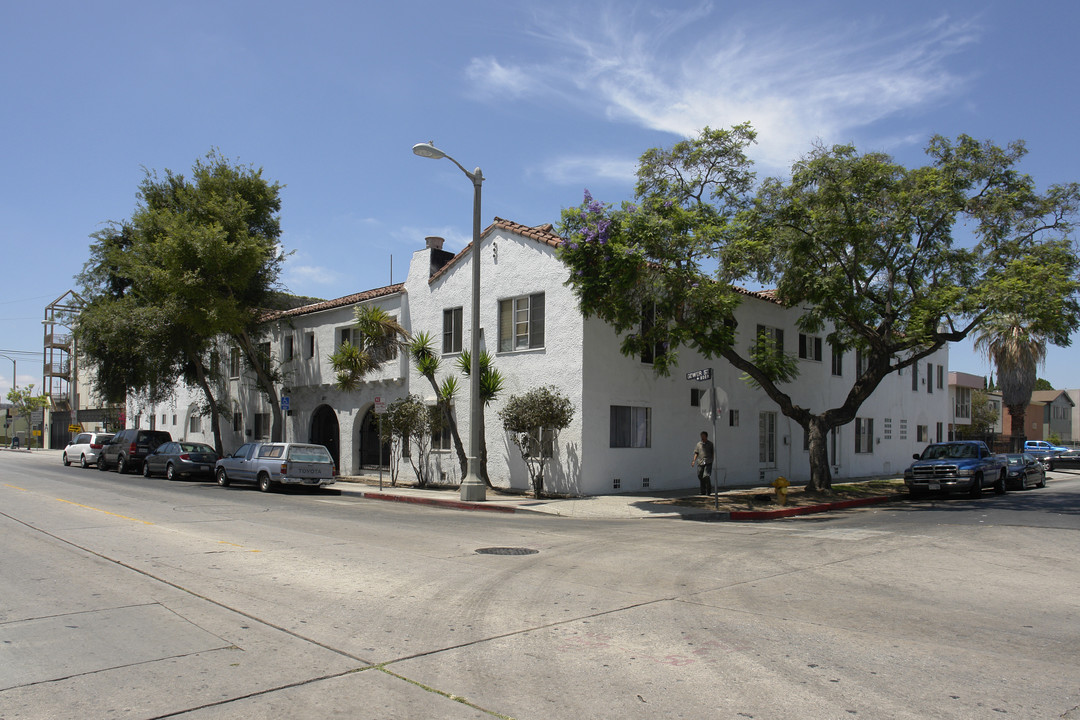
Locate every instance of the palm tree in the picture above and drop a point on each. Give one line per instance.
(1017, 353)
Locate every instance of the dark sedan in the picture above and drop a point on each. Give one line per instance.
(1070, 460)
(1025, 470)
(180, 459)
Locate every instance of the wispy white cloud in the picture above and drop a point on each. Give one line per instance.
(572, 168)
(310, 278)
(678, 72)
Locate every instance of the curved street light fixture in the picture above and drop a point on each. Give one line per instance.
(472, 487)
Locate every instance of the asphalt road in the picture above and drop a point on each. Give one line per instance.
(129, 598)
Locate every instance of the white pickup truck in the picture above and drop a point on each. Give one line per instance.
(270, 464)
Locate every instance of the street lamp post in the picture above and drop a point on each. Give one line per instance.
(14, 372)
(472, 488)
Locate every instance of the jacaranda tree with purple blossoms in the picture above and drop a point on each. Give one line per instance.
(866, 248)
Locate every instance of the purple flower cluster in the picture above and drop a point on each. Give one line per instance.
(596, 230)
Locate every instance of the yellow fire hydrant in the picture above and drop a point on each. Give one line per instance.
(781, 485)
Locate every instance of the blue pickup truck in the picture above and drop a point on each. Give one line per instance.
(958, 466)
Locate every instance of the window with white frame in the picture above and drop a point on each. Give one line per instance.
(441, 439)
(767, 439)
(771, 336)
(733, 418)
(264, 356)
(237, 420)
(234, 362)
(648, 321)
(287, 348)
(962, 408)
(809, 347)
(837, 362)
(309, 343)
(922, 433)
(930, 377)
(631, 427)
(451, 333)
(195, 424)
(521, 323)
(940, 377)
(862, 362)
(864, 435)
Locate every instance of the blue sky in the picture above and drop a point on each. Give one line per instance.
(547, 98)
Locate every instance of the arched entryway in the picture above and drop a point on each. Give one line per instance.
(372, 453)
(324, 431)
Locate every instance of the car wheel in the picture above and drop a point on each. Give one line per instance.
(976, 487)
(145, 469)
(170, 473)
(66, 461)
(1000, 486)
(265, 485)
(121, 465)
(1042, 481)
(82, 462)
(222, 478)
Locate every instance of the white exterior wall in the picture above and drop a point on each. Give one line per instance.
(510, 266)
(581, 359)
(613, 379)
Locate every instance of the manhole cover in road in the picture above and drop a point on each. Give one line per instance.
(506, 551)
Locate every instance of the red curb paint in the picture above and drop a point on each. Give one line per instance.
(806, 510)
(455, 504)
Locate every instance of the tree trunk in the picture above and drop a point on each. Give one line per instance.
(215, 417)
(820, 472)
(265, 383)
(1018, 416)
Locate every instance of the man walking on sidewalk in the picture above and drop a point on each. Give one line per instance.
(703, 460)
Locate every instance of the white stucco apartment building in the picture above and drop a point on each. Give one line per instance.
(632, 430)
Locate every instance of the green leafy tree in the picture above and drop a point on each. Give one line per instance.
(413, 423)
(984, 416)
(534, 421)
(1016, 353)
(1043, 384)
(198, 260)
(491, 384)
(25, 402)
(889, 260)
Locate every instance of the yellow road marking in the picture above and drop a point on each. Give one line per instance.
(125, 517)
(16, 487)
(226, 542)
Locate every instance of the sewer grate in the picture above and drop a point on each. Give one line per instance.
(506, 551)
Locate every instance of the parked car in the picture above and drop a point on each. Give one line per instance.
(180, 459)
(1025, 470)
(1042, 449)
(85, 447)
(1069, 459)
(126, 450)
(963, 465)
(270, 464)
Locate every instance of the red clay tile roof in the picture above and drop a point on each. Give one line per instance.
(338, 302)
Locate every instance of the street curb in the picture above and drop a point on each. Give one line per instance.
(454, 504)
(805, 510)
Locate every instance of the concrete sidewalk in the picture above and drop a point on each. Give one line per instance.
(630, 506)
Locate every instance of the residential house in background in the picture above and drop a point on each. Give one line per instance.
(631, 431)
(1057, 414)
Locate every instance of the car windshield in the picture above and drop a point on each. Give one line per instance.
(1016, 459)
(196, 447)
(309, 453)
